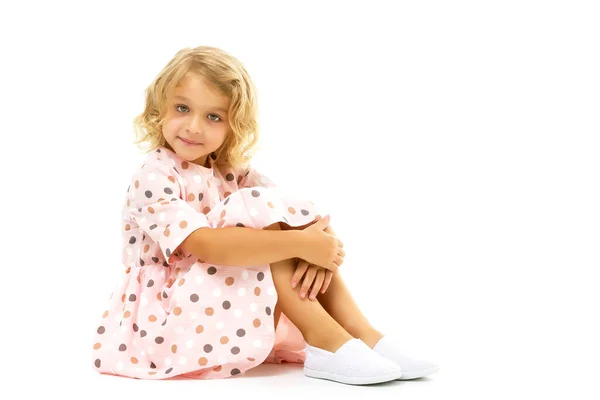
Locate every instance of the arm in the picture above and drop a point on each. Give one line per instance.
(286, 227)
(243, 246)
(156, 211)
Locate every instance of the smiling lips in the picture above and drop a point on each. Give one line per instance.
(188, 141)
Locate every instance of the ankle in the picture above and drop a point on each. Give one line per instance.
(367, 334)
(372, 339)
(329, 342)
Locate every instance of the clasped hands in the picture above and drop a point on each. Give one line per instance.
(315, 278)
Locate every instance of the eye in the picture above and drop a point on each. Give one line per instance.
(186, 109)
(219, 118)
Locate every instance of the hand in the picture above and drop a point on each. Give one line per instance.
(320, 276)
(321, 248)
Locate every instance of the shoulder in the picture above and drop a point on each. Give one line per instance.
(158, 168)
(159, 161)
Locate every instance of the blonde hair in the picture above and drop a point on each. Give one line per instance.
(224, 73)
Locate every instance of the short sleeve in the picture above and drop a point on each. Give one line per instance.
(155, 204)
(252, 177)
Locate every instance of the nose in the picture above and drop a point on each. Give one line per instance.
(195, 125)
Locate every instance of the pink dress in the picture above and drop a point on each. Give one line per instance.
(174, 315)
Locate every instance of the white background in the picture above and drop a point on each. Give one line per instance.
(456, 143)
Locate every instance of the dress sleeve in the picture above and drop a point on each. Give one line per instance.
(252, 177)
(155, 204)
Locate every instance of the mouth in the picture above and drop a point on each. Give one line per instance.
(189, 142)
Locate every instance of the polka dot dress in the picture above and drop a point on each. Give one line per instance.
(173, 315)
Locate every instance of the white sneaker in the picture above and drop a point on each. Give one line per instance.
(411, 368)
(354, 363)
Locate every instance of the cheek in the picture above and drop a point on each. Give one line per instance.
(222, 135)
(171, 126)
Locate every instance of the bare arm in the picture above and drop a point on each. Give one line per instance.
(287, 227)
(243, 246)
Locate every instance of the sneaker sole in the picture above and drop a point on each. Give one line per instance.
(349, 380)
(406, 375)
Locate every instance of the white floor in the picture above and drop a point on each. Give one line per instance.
(266, 381)
(457, 380)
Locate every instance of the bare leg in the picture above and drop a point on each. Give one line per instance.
(338, 302)
(318, 328)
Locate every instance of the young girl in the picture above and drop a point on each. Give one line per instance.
(222, 272)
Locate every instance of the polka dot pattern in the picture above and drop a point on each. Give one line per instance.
(175, 314)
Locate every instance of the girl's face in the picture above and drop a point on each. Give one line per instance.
(196, 122)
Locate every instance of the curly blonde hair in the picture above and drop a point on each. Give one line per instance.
(224, 73)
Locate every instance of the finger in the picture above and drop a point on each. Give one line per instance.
(300, 270)
(308, 280)
(341, 253)
(318, 283)
(340, 244)
(338, 259)
(327, 281)
(333, 267)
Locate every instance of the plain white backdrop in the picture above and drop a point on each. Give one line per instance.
(455, 143)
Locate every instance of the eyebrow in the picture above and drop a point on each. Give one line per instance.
(215, 108)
